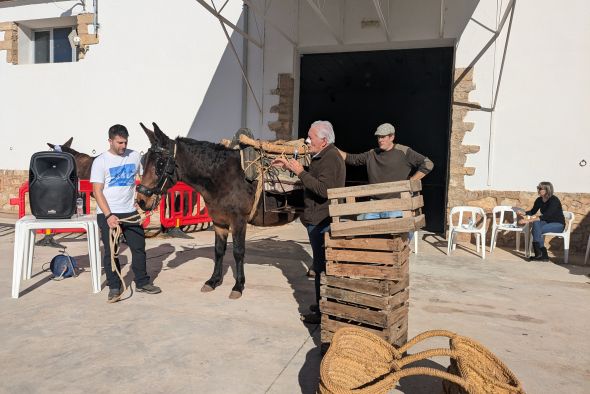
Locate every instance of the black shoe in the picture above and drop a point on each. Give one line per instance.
(311, 318)
(544, 255)
(315, 308)
(537, 251)
(114, 295)
(148, 288)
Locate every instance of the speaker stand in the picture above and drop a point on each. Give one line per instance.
(49, 240)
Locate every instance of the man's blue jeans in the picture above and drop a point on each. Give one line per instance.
(540, 227)
(316, 232)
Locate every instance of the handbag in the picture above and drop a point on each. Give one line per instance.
(63, 266)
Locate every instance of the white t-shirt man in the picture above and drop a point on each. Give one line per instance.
(117, 173)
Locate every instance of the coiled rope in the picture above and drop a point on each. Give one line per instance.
(115, 244)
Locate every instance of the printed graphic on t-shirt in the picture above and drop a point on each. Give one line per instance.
(122, 175)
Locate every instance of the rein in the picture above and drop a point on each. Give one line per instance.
(114, 244)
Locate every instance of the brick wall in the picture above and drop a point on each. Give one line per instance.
(10, 181)
(284, 124)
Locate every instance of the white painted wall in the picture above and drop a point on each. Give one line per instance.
(172, 65)
(539, 129)
(154, 62)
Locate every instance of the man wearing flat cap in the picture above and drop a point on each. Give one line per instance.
(389, 162)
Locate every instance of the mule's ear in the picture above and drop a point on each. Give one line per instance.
(149, 133)
(160, 136)
(68, 143)
(51, 145)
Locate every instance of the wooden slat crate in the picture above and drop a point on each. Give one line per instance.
(409, 202)
(379, 306)
(385, 257)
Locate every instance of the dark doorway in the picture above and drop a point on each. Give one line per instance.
(409, 88)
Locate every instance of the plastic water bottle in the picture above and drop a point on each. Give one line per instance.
(470, 224)
(79, 207)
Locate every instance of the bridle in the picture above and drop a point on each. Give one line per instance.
(165, 170)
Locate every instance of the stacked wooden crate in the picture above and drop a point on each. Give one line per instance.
(367, 261)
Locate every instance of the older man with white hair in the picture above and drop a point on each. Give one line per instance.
(327, 170)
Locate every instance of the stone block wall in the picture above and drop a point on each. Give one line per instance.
(284, 124)
(10, 41)
(578, 203)
(10, 181)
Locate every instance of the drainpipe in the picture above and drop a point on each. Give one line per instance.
(245, 16)
(95, 22)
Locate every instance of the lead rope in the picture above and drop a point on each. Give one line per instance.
(114, 244)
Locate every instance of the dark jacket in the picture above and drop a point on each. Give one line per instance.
(326, 171)
(551, 210)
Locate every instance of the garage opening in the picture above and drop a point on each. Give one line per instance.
(409, 88)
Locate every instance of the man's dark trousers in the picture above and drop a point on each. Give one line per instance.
(316, 239)
(135, 237)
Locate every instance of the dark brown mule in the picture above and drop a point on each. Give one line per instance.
(83, 161)
(215, 172)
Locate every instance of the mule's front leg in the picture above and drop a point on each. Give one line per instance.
(239, 245)
(221, 233)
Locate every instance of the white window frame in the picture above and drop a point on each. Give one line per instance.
(50, 30)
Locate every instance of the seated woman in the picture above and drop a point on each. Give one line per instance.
(551, 219)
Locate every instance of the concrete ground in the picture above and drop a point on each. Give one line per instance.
(59, 337)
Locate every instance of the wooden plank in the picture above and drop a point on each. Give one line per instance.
(368, 257)
(354, 298)
(364, 256)
(367, 271)
(366, 286)
(385, 303)
(395, 331)
(393, 244)
(390, 204)
(374, 318)
(379, 226)
(375, 189)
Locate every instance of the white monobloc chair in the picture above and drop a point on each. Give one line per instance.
(499, 214)
(569, 220)
(476, 214)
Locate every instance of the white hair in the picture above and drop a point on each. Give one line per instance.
(325, 130)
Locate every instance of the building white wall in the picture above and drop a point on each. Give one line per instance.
(539, 129)
(154, 62)
(172, 65)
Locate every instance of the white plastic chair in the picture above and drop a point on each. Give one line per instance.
(499, 214)
(476, 214)
(569, 220)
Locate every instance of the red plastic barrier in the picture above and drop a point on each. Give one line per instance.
(172, 217)
(84, 186)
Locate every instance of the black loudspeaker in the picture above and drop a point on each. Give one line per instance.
(53, 185)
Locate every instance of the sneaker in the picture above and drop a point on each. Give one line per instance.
(311, 318)
(315, 308)
(114, 295)
(148, 288)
